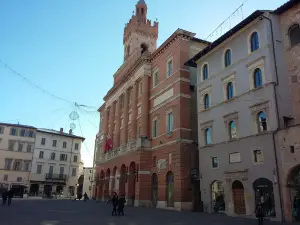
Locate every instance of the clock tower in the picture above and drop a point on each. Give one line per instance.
(140, 35)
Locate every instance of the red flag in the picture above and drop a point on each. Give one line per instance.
(108, 144)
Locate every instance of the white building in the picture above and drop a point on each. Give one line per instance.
(56, 163)
(87, 181)
(16, 150)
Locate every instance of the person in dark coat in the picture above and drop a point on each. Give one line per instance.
(4, 197)
(85, 197)
(10, 195)
(259, 211)
(114, 203)
(121, 206)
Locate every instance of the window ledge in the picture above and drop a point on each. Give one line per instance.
(262, 132)
(169, 134)
(209, 145)
(217, 168)
(204, 110)
(233, 140)
(258, 163)
(230, 100)
(255, 89)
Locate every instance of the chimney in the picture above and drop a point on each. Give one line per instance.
(70, 131)
(61, 131)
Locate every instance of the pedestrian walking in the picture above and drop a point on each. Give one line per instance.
(9, 197)
(114, 203)
(85, 197)
(4, 197)
(259, 211)
(121, 205)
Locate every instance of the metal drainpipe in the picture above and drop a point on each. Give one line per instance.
(277, 116)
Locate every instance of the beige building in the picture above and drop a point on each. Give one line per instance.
(16, 151)
(56, 163)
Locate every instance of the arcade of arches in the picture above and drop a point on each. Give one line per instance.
(142, 189)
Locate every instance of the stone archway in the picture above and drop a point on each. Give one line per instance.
(217, 196)
(122, 180)
(101, 185)
(113, 181)
(293, 184)
(80, 186)
(131, 184)
(106, 185)
(238, 198)
(263, 189)
(154, 189)
(170, 189)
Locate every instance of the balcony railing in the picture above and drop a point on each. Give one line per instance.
(57, 177)
(124, 149)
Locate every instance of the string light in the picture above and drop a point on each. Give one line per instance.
(215, 32)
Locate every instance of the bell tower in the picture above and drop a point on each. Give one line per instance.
(140, 35)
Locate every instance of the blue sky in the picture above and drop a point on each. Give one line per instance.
(72, 48)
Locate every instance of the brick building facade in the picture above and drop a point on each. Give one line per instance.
(288, 142)
(148, 116)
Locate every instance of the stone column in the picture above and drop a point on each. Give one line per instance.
(145, 106)
(105, 127)
(125, 113)
(134, 112)
(112, 119)
(118, 123)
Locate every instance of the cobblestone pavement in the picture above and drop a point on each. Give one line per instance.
(61, 212)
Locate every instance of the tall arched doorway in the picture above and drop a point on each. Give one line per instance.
(113, 181)
(154, 189)
(131, 184)
(293, 184)
(80, 186)
(122, 180)
(101, 185)
(263, 189)
(238, 198)
(217, 196)
(170, 189)
(106, 184)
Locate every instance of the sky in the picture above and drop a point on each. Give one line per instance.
(72, 48)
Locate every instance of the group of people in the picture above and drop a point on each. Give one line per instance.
(6, 197)
(118, 204)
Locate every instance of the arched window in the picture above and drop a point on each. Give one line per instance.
(230, 92)
(205, 72)
(207, 135)
(206, 101)
(232, 130)
(227, 58)
(257, 78)
(254, 42)
(262, 122)
(294, 34)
